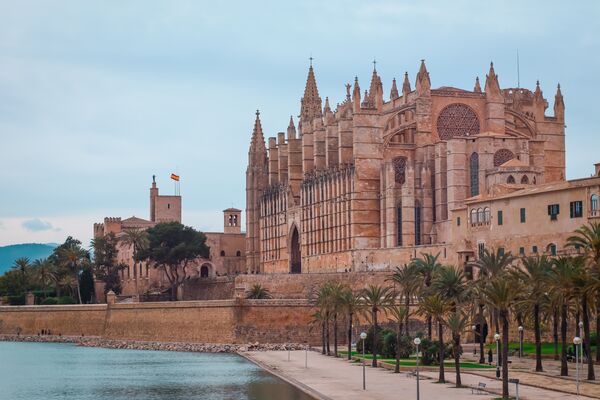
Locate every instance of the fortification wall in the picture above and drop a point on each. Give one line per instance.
(220, 288)
(219, 321)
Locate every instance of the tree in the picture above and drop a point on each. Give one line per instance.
(587, 238)
(71, 256)
(171, 248)
(22, 267)
(408, 278)
(500, 294)
(533, 277)
(586, 287)
(258, 292)
(375, 298)
(106, 266)
(138, 240)
(457, 322)
(436, 307)
(45, 272)
(427, 266)
(562, 285)
(450, 283)
(398, 313)
(350, 304)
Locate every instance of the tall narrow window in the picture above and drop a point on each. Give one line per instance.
(474, 172)
(500, 217)
(417, 225)
(576, 209)
(594, 204)
(399, 225)
(522, 215)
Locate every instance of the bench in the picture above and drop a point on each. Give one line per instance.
(479, 389)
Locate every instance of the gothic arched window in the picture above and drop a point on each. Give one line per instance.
(486, 214)
(473, 216)
(399, 170)
(525, 180)
(480, 215)
(511, 179)
(474, 171)
(594, 204)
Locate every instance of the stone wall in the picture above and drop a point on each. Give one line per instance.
(219, 321)
(220, 288)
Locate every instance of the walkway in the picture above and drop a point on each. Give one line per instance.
(329, 378)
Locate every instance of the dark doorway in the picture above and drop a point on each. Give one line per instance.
(295, 257)
(204, 271)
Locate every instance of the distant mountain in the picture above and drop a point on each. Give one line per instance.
(33, 251)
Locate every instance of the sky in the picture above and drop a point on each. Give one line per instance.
(97, 96)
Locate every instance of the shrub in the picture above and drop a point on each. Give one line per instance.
(66, 300)
(593, 339)
(49, 301)
(389, 345)
(18, 300)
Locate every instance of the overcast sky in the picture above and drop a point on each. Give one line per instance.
(97, 96)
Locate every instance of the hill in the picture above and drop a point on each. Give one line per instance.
(33, 251)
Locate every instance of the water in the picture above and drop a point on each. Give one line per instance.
(48, 371)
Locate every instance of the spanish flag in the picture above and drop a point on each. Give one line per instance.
(175, 177)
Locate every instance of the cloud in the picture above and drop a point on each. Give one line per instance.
(37, 225)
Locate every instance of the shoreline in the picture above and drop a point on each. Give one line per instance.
(95, 341)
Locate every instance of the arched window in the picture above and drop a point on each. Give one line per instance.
(511, 179)
(480, 215)
(534, 180)
(417, 224)
(238, 253)
(222, 253)
(474, 172)
(525, 180)
(551, 248)
(204, 271)
(486, 215)
(473, 216)
(594, 204)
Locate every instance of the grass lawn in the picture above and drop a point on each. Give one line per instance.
(411, 362)
(529, 347)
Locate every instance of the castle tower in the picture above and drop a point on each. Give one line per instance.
(164, 208)
(232, 218)
(153, 196)
(256, 182)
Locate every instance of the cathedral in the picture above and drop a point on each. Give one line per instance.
(380, 179)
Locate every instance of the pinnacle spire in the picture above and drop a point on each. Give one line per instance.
(491, 81)
(327, 109)
(423, 83)
(291, 130)
(477, 88)
(258, 150)
(394, 91)
(406, 85)
(559, 104)
(537, 95)
(311, 102)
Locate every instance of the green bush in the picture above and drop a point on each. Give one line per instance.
(18, 300)
(49, 301)
(381, 332)
(389, 345)
(66, 300)
(593, 339)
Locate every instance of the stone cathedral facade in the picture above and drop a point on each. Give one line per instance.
(380, 179)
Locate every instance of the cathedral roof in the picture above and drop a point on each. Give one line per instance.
(515, 162)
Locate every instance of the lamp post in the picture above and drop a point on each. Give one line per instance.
(363, 336)
(417, 342)
(497, 339)
(520, 341)
(474, 329)
(577, 343)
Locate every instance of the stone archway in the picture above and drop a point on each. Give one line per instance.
(204, 271)
(295, 255)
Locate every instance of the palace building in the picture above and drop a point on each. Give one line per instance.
(378, 180)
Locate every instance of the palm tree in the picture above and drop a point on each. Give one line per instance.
(500, 294)
(319, 319)
(450, 283)
(534, 279)
(73, 258)
(336, 291)
(587, 238)
(436, 307)
(22, 266)
(45, 272)
(375, 298)
(492, 263)
(398, 313)
(324, 304)
(138, 239)
(257, 291)
(427, 267)
(562, 284)
(457, 322)
(586, 287)
(408, 278)
(350, 304)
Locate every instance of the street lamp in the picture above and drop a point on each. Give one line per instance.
(363, 336)
(577, 342)
(520, 341)
(417, 342)
(474, 329)
(497, 339)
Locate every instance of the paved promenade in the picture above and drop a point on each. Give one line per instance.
(329, 378)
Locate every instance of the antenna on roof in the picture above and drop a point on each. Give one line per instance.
(518, 71)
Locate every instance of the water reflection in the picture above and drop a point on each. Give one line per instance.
(67, 372)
